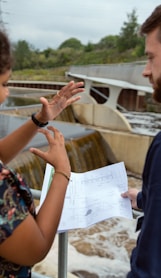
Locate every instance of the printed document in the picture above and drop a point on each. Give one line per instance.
(92, 196)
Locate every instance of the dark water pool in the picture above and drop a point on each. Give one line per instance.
(13, 101)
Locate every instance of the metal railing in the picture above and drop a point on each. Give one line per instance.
(62, 250)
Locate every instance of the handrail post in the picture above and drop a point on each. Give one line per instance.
(63, 255)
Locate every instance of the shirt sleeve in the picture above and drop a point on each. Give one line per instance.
(139, 200)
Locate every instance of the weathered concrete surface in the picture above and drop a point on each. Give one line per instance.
(101, 115)
(116, 130)
(128, 147)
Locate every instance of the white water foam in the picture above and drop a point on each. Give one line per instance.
(102, 250)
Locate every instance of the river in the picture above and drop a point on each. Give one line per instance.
(100, 251)
(103, 250)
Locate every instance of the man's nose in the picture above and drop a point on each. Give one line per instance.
(147, 71)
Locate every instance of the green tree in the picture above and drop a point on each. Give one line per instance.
(48, 52)
(108, 42)
(128, 37)
(71, 43)
(139, 50)
(89, 47)
(22, 55)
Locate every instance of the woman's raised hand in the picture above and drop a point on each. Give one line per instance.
(63, 98)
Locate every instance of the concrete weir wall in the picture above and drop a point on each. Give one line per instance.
(128, 147)
(114, 127)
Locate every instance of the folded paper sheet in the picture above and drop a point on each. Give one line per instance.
(92, 196)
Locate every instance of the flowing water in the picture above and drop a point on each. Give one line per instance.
(144, 123)
(102, 250)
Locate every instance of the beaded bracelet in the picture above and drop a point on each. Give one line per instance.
(63, 174)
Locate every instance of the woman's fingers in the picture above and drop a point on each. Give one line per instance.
(70, 90)
(53, 135)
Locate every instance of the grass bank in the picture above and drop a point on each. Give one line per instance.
(53, 74)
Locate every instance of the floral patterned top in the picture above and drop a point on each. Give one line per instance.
(16, 203)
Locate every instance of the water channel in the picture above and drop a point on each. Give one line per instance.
(102, 250)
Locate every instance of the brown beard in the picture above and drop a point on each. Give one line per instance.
(157, 91)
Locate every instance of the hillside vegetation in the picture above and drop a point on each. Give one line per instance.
(51, 64)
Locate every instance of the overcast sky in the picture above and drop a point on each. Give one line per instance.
(48, 23)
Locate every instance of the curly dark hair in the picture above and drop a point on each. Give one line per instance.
(152, 22)
(5, 53)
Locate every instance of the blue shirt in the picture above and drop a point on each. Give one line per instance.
(146, 256)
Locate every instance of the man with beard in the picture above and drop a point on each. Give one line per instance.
(146, 256)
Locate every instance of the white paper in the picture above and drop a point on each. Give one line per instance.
(92, 196)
